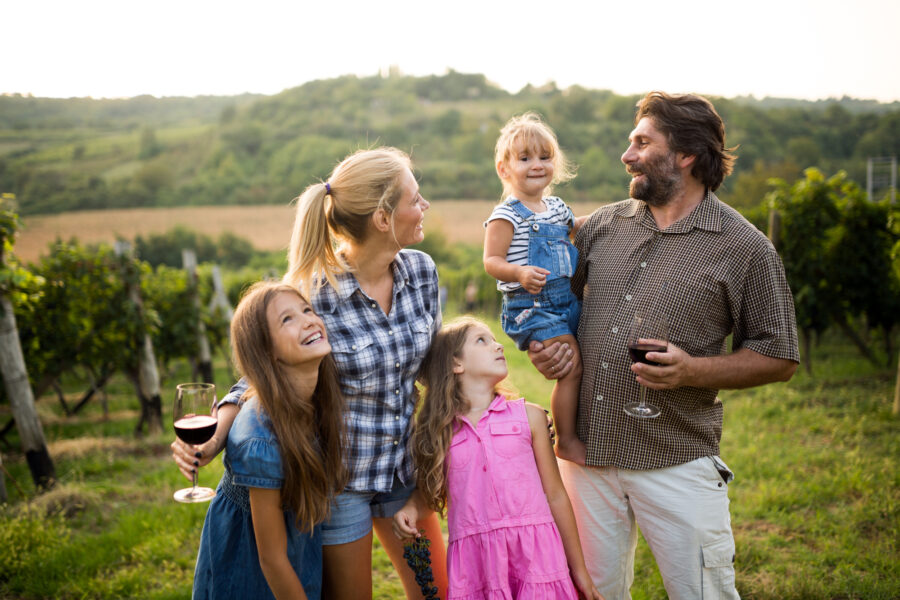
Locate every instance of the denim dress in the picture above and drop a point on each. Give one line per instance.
(228, 563)
(555, 310)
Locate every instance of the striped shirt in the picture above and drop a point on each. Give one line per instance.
(378, 358)
(557, 213)
(713, 274)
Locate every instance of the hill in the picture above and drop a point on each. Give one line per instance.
(78, 154)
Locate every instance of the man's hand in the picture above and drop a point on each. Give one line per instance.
(674, 369)
(552, 362)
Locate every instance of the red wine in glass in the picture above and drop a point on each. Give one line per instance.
(649, 333)
(195, 429)
(194, 424)
(638, 352)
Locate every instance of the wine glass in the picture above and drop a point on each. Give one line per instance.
(194, 425)
(649, 333)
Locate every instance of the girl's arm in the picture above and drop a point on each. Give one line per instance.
(271, 543)
(559, 502)
(405, 519)
(186, 455)
(498, 236)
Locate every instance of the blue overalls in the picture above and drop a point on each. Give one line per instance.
(555, 310)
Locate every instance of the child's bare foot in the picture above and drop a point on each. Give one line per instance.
(572, 449)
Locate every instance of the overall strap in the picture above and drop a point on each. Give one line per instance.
(523, 211)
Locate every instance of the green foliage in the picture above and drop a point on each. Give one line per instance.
(75, 154)
(229, 249)
(28, 536)
(836, 247)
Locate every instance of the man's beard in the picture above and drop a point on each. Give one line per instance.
(660, 182)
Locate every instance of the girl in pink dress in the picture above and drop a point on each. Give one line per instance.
(488, 461)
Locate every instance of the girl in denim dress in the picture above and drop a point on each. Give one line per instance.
(527, 249)
(489, 462)
(261, 537)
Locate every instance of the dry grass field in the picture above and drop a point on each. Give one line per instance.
(268, 227)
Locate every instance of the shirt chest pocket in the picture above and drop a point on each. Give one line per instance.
(460, 454)
(508, 439)
(357, 361)
(420, 332)
(698, 314)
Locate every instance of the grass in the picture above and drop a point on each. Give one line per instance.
(815, 506)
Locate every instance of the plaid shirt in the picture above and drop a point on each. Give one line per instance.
(713, 274)
(378, 358)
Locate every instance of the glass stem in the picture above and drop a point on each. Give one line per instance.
(642, 398)
(194, 481)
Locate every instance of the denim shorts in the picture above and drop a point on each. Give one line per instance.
(352, 512)
(552, 312)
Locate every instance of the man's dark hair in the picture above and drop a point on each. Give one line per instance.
(693, 127)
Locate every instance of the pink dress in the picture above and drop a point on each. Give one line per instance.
(503, 542)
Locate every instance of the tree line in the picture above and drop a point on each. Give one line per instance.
(60, 155)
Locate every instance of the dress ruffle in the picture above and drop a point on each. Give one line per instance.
(510, 563)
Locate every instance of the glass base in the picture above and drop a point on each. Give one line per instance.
(198, 494)
(642, 411)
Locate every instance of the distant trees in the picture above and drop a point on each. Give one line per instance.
(76, 154)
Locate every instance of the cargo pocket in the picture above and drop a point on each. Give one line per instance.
(718, 568)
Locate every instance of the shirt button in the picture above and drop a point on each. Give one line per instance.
(628, 297)
(615, 330)
(373, 305)
(397, 418)
(643, 265)
(396, 391)
(599, 397)
(605, 365)
(397, 365)
(396, 442)
(391, 332)
(353, 346)
(484, 468)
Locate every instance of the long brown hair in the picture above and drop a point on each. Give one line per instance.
(693, 127)
(340, 210)
(443, 403)
(309, 432)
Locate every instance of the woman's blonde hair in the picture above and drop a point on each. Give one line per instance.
(528, 131)
(340, 210)
(443, 404)
(309, 432)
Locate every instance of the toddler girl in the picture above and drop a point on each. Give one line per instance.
(489, 462)
(527, 249)
(283, 461)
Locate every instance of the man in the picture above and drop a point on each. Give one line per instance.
(673, 246)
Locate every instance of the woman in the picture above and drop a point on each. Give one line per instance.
(380, 304)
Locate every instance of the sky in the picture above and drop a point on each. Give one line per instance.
(121, 48)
